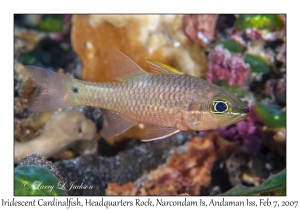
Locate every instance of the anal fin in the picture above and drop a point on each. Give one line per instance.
(115, 124)
(156, 132)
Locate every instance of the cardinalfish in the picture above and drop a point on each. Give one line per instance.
(165, 100)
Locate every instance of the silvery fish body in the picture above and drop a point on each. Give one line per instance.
(166, 100)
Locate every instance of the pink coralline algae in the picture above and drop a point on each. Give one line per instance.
(257, 34)
(281, 53)
(224, 65)
(275, 88)
(254, 34)
(200, 28)
(247, 132)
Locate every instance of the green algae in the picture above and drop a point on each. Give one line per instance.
(272, 117)
(259, 21)
(274, 185)
(257, 63)
(35, 180)
(51, 23)
(230, 44)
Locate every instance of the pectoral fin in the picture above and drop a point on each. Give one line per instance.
(114, 124)
(156, 132)
(160, 68)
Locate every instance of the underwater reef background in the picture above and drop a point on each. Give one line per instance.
(245, 54)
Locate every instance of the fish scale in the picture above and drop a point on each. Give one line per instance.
(141, 97)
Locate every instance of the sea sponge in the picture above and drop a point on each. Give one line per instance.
(63, 129)
(124, 32)
(158, 37)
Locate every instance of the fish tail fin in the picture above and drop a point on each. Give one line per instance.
(52, 91)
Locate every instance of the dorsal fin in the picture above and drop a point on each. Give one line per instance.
(160, 68)
(121, 66)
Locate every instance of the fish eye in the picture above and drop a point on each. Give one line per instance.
(220, 106)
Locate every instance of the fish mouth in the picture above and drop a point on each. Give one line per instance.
(243, 116)
(245, 110)
(239, 116)
(240, 112)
